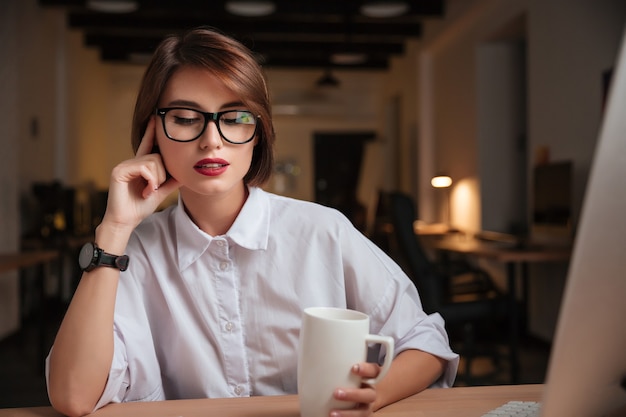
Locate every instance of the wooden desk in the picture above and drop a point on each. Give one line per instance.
(39, 258)
(515, 258)
(452, 402)
(68, 247)
(19, 260)
(501, 252)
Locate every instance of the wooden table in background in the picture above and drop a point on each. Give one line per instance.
(452, 402)
(516, 260)
(16, 261)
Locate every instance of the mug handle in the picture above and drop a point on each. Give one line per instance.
(389, 345)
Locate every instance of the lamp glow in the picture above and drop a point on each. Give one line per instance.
(441, 181)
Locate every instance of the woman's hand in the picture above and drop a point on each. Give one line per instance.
(365, 396)
(411, 371)
(138, 185)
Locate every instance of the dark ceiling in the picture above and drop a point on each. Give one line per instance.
(299, 34)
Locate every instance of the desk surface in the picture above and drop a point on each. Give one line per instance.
(17, 260)
(502, 252)
(453, 402)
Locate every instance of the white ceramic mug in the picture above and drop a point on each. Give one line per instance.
(332, 340)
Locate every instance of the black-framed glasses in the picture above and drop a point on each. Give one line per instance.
(182, 124)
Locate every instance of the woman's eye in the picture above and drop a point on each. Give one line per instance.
(237, 118)
(185, 120)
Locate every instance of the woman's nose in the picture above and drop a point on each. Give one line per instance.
(211, 137)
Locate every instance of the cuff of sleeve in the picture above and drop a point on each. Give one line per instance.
(117, 382)
(448, 377)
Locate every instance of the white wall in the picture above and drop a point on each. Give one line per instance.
(99, 106)
(501, 135)
(39, 33)
(570, 43)
(302, 109)
(448, 105)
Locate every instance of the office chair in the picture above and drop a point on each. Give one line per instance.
(465, 307)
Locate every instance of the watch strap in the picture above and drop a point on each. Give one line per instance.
(115, 261)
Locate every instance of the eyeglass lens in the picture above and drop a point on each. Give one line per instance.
(237, 126)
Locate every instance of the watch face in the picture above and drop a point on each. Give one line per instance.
(86, 255)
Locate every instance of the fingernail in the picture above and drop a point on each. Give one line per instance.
(340, 393)
(355, 368)
(334, 414)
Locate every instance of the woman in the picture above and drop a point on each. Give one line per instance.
(210, 303)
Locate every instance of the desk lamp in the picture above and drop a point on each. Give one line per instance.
(443, 181)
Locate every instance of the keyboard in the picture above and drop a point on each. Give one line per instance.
(516, 409)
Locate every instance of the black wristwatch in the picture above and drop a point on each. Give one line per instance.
(91, 257)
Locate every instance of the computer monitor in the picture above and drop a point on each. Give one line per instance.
(587, 367)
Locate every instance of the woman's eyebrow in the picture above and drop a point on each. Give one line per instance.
(232, 104)
(188, 103)
(183, 103)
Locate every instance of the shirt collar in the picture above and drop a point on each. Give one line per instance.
(252, 225)
(250, 229)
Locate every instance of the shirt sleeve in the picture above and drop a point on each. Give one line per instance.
(119, 382)
(399, 314)
(376, 285)
(120, 387)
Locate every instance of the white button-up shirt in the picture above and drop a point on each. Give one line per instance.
(200, 316)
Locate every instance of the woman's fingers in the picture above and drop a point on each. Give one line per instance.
(168, 187)
(153, 172)
(139, 185)
(147, 141)
(364, 397)
(146, 147)
(137, 188)
(163, 186)
(141, 172)
(366, 370)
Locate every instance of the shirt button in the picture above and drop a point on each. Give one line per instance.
(220, 243)
(229, 326)
(238, 390)
(223, 266)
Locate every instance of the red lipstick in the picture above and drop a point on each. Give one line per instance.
(211, 167)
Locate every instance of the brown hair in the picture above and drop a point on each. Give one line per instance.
(233, 64)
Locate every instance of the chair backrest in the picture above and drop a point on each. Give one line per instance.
(422, 271)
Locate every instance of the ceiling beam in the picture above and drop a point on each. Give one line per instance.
(298, 34)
